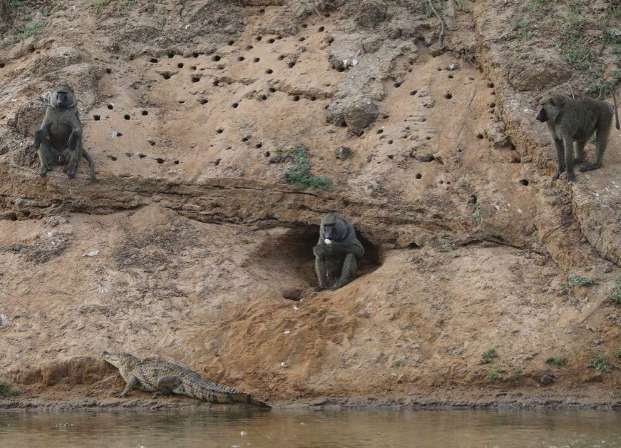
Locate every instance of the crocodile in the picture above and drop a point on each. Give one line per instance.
(165, 378)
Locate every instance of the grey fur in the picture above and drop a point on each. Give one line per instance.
(58, 140)
(336, 263)
(573, 122)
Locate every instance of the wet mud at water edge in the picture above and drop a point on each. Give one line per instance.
(242, 428)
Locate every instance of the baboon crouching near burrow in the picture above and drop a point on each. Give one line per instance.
(59, 139)
(337, 252)
(573, 122)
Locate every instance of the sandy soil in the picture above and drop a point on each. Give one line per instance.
(185, 245)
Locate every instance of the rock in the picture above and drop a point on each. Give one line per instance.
(343, 153)
(370, 13)
(547, 379)
(295, 294)
(357, 114)
(497, 136)
(538, 69)
(425, 158)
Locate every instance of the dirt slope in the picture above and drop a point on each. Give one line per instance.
(184, 246)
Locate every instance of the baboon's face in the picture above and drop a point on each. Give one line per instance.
(335, 229)
(62, 98)
(550, 109)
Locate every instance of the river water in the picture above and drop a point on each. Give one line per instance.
(289, 429)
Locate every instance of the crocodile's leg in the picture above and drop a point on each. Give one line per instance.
(131, 384)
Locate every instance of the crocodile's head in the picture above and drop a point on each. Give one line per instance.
(122, 361)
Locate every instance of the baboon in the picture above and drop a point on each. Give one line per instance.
(59, 139)
(573, 121)
(337, 252)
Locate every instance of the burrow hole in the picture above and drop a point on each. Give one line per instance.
(290, 252)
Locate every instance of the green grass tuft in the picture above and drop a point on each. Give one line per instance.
(576, 280)
(600, 362)
(489, 356)
(7, 390)
(299, 174)
(495, 374)
(30, 30)
(556, 362)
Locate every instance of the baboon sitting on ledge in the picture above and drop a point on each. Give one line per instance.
(337, 252)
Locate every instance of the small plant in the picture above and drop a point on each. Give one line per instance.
(618, 353)
(600, 362)
(7, 391)
(576, 280)
(29, 30)
(16, 3)
(100, 5)
(615, 294)
(495, 374)
(489, 356)
(556, 362)
(476, 214)
(299, 174)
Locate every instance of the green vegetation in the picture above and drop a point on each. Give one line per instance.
(489, 356)
(100, 5)
(615, 294)
(7, 391)
(299, 174)
(600, 362)
(476, 214)
(495, 374)
(29, 30)
(618, 353)
(16, 3)
(556, 362)
(576, 280)
(522, 27)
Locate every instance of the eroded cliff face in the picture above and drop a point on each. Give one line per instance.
(184, 246)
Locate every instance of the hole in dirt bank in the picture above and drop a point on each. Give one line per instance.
(96, 117)
(524, 182)
(110, 106)
(290, 251)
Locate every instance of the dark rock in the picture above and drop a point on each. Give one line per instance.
(343, 153)
(294, 294)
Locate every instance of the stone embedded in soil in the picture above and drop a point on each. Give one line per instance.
(343, 153)
(294, 294)
(356, 113)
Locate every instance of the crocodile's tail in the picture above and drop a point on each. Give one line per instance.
(225, 397)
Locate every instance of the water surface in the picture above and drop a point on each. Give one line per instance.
(309, 429)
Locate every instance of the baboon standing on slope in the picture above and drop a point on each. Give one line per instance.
(572, 122)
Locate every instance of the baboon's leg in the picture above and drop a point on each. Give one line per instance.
(321, 271)
(91, 163)
(350, 266)
(580, 157)
(560, 156)
(569, 159)
(47, 158)
(600, 145)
